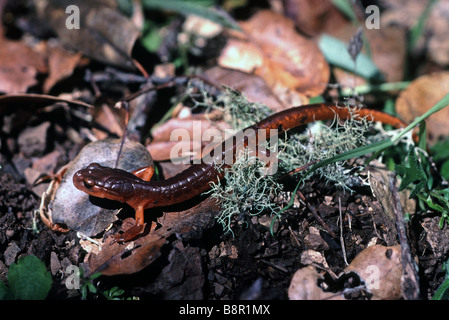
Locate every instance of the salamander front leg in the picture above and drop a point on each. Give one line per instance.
(145, 173)
(135, 230)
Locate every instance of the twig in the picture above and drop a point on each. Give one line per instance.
(410, 280)
(321, 221)
(342, 240)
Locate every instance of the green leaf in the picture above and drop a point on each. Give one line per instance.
(414, 173)
(418, 29)
(336, 52)
(29, 279)
(346, 8)
(198, 8)
(442, 292)
(422, 135)
(4, 291)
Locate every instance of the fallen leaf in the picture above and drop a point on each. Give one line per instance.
(193, 127)
(438, 24)
(304, 286)
(19, 66)
(388, 46)
(241, 55)
(422, 94)
(252, 87)
(291, 65)
(381, 269)
(61, 64)
(104, 33)
(291, 60)
(313, 19)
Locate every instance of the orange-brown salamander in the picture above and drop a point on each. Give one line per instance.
(140, 193)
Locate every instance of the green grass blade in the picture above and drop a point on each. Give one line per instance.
(199, 8)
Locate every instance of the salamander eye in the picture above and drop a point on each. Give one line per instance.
(88, 183)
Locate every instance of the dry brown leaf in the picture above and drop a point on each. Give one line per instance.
(388, 47)
(253, 88)
(190, 124)
(380, 268)
(110, 119)
(164, 137)
(19, 66)
(115, 258)
(313, 19)
(438, 24)
(422, 94)
(241, 55)
(104, 34)
(163, 151)
(304, 286)
(293, 66)
(61, 64)
(436, 237)
(293, 61)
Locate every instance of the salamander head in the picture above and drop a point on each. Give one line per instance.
(104, 182)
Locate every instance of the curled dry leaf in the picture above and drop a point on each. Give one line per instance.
(304, 286)
(380, 268)
(422, 94)
(388, 47)
(104, 33)
(291, 65)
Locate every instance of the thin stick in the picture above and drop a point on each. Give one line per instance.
(342, 241)
(125, 105)
(410, 279)
(321, 221)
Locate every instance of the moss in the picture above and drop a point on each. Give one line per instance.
(247, 190)
(323, 142)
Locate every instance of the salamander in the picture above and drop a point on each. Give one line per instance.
(136, 189)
